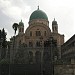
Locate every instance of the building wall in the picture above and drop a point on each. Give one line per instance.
(29, 39)
(68, 50)
(64, 69)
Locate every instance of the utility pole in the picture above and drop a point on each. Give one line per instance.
(9, 57)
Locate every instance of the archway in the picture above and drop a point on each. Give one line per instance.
(38, 57)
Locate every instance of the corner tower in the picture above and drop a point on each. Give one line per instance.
(54, 26)
(21, 28)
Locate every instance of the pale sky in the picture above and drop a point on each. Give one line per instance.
(12, 11)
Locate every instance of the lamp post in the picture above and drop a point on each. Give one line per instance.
(51, 47)
(9, 56)
(48, 58)
(1, 41)
(13, 47)
(41, 38)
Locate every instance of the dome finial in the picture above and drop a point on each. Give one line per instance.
(54, 22)
(54, 19)
(38, 7)
(21, 20)
(38, 4)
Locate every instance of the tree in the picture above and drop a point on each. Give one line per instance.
(21, 57)
(0, 34)
(15, 26)
(0, 37)
(3, 43)
(4, 61)
(3, 36)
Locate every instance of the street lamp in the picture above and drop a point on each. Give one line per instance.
(9, 55)
(51, 47)
(1, 41)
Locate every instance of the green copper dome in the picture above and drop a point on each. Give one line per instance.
(38, 14)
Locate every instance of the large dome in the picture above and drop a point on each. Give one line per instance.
(38, 14)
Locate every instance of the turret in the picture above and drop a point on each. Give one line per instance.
(54, 26)
(21, 28)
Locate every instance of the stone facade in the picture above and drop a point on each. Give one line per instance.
(34, 49)
(68, 50)
(64, 69)
(35, 35)
(29, 47)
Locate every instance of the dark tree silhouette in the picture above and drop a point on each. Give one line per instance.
(15, 26)
(3, 43)
(0, 34)
(0, 37)
(3, 36)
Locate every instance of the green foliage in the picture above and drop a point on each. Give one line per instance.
(15, 26)
(3, 38)
(3, 34)
(60, 61)
(21, 56)
(4, 61)
(3, 43)
(0, 34)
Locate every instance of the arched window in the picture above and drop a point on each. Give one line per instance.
(55, 28)
(44, 33)
(38, 33)
(37, 44)
(19, 42)
(30, 33)
(22, 29)
(30, 57)
(38, 56)
(46, 57)
(30, 44)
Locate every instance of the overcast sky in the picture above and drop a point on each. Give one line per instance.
(63, 11)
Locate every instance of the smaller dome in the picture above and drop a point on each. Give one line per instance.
(54, 22)
(21, 23)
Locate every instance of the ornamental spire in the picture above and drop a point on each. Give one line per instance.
(54, 19)
(38, 7)
(21, 20)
